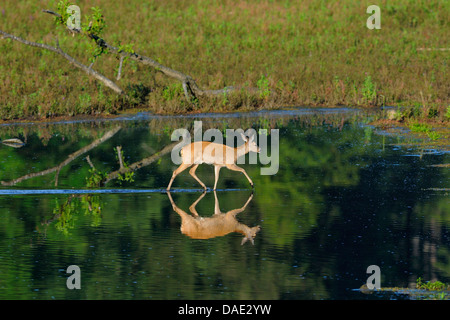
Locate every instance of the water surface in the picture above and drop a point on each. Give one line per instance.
(344, 198)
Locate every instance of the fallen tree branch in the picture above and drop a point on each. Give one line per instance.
(119, 73)
(190, 87)
(141, 163)
(110, 84)
(120, 156)
(69, 159)
(88, 159)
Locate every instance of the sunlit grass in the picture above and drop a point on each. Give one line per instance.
(297, 53)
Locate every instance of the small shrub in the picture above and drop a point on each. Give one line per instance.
(419, 127)
(137, 93)
(172, 91)
(263, 86)
(369, 91)
(432, 113)
(433, 135)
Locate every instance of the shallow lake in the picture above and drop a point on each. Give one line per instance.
(345, 197)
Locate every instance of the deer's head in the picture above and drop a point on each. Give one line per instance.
(250, 143)
(250, 234)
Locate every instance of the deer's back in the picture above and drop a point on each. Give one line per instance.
(205, 228)
(207, 152)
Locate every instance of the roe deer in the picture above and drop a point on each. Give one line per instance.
(217, 225)
(216, 154)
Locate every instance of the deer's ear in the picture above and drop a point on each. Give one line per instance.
(247, 238)
(244, 137)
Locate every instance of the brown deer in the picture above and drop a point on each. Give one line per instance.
(217, 154)
(217, 225)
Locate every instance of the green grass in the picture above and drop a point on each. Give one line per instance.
(420, 127)
(426, 129)
(433, 135)
(305, 53)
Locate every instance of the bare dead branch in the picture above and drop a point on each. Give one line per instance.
(68, 160)
(141, 163)
(51, 12)
(57, 176)
(190, 87)
(119, 156)
(110, 84)
(88, 159)
(120, 68)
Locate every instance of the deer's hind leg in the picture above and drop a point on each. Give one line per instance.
(192, 173)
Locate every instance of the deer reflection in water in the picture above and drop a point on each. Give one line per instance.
(217, 225)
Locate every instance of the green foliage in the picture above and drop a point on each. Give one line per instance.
(96, 22)
(61, 8)
(96, 51)
(225, 100)
(96, 26)
(126, 176)
(172, 91)
(263, 86)
(66, 215)
(447, 113)
(95, 178)
(420, 127)
(93, 24)
(92, 206)
(126, 48)
(433, 135)
(430, 285)
(369, 90)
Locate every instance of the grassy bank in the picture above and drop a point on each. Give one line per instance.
(298, 53)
